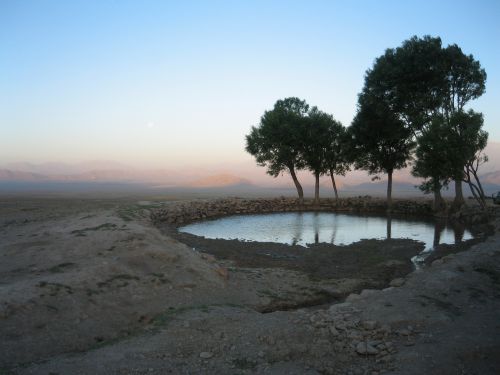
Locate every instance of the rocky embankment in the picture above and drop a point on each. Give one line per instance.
(179, 213)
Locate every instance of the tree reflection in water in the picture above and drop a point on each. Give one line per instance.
(302, 228)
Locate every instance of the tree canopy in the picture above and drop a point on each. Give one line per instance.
(277, 142)
(412, 109)
(324, 147)
(380, 141)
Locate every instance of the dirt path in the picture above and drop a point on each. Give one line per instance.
(93, 288)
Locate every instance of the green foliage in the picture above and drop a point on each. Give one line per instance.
(316, 143)
(278, 141)
(415, 93)
(432, 159)
(464, 79)
(380, 141)
(447, 147)
(408, 81)
(325, 144)
(425, 87)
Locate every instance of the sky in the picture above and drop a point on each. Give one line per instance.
(166, 84)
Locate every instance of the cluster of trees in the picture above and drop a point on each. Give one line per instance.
(412, 109)
(294, 136)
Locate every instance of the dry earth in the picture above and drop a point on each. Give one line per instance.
(92, 287)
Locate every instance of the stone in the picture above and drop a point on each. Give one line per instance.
(385, 328)
(333, 331)
(437, 262)
(206, 355)
(397, 282)
(404, 332)
(369, 325)
(365, 348)
(222, 272)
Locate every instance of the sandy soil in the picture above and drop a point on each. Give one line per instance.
(92, 287)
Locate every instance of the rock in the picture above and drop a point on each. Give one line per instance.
(206, 355)
(333, 331)
(385, 328)
(437, 262)
(397, 282)
(355, 335)
(222, 272)
(368, 292)
(208, 257)
(270, 340)
(365, 348)
(353, 297)
(369, 325)
(404, 332)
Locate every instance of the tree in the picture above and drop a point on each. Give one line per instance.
(406, 84)
(421, 80)
(380, 141)
(452, 148)
(468, 141)
(277, 143)
(336, 160)
(323, 148)
(431, 161)
(409, 81)
(464, 81)
(315, 144)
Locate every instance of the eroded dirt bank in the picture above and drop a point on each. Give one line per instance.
(93, 288)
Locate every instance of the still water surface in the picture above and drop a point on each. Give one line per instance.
(302, 228)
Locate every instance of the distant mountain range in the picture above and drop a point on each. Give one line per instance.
(60, 176)
(220, 180)
(134, 179)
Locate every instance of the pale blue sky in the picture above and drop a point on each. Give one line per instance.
(160, 83)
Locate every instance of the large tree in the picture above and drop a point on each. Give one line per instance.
(380, 141)
(421, 80)
(405, 88)
(277, 143)
(408, 81)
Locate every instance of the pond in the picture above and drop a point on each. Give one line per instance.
(303, 228)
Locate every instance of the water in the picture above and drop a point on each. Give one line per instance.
(303, 228)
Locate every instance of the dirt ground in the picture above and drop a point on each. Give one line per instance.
(92, 287)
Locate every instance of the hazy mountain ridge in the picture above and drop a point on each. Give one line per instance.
(224, 179)
(198, 177)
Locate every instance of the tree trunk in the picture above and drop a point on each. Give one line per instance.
(316, 188)
(438, 230)
(389, 226)
(482, 198)
(332, 176)
(298, 186)
(459, 200)
(389, 191)
(439, 203)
